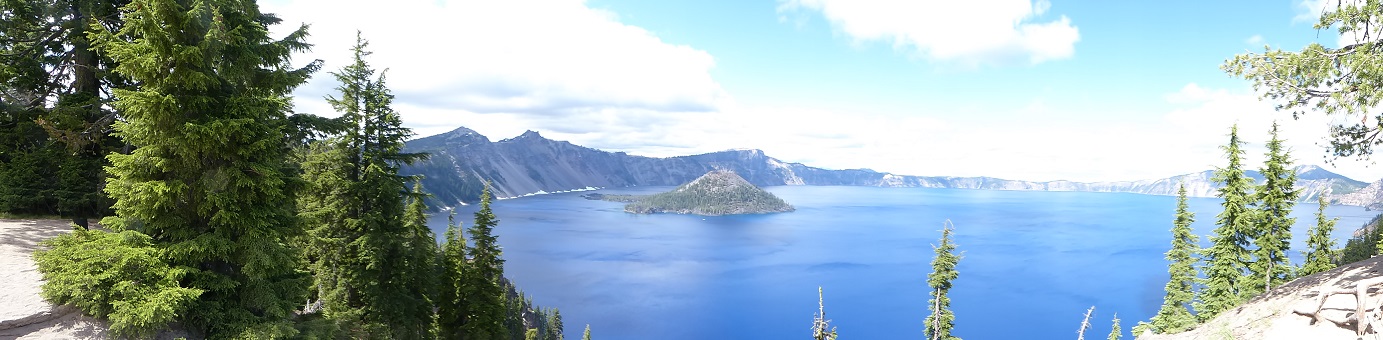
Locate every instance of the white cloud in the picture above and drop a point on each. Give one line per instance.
(1256, 40)
(963, 32)
(577, 74)
(1309, 11)
(522, 58)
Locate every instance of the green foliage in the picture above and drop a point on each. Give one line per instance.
(116, 276)
(372, 260)
(1272, 234)
(481, 292)
(552, 326)
(941, 320)
(1175, 315)
(1336, 81)
(1321, 248)
(1142, 327)
(587, 334)
(1364, 244)
(821, 327)
(1115, 332)
(1227, 256)
(451, 306)
(53, 121)
(209, 179)
(719, 192)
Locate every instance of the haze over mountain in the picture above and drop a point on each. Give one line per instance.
(463, 159)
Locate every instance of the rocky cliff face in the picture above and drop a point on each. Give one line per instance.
(462, 160)
(1370, 197)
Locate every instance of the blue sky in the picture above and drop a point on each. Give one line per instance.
(1037, 90)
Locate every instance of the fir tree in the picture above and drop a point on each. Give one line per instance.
(1116, 332)
(54, 151)
(554, 325)
(1175, 315)
(821, 327)
(482, 292)
(941, 320)
(208, 180)
(1227, 256)
(373, 266)
(1272, 233)
(420, 281)
(451, 304)
(1321, 246)
(587, 334)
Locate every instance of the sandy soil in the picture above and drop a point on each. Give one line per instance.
(23, 313)
(1271, 315)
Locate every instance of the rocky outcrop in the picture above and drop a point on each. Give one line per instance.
(1370, 197)
(463, 160)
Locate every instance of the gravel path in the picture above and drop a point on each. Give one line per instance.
(23, 313)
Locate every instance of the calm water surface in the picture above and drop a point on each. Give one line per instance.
(1035, 259)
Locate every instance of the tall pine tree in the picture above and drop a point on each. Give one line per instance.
(1272, 233)
(941, 320)
(482, 293)
(209, 180)
(54, 117)
(1115, 332)
(1321, 248)
(373, 264)
(1175, 315)
(451, 302)
(1224, 261)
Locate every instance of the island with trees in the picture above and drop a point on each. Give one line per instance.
(719, 192)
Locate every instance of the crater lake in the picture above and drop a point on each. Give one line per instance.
(1032, 263)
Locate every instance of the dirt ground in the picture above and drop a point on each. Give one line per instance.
(1272, 316)
(23, 313)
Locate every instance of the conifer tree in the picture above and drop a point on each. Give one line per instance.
(1224, 261)
(421, 280)
(587, 334)
(1175, 315)
(1321, 247)
(373, 266)
(482, 293)
(821, 327)
(1272, 233)
(554, 325)
(208, 180)
(941, 320)
(1116, 332)
(54, 118)
(451, 304)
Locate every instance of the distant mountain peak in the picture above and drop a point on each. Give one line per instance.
(530, 134)
(1306, 167)
(462, 131)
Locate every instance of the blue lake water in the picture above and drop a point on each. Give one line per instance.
(1037, 260)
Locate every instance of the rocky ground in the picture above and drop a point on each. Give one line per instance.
(1273, 315)
(23, 313)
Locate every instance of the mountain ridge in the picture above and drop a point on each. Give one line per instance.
(463, 160)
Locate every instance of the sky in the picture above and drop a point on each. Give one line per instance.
(1016, 89)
